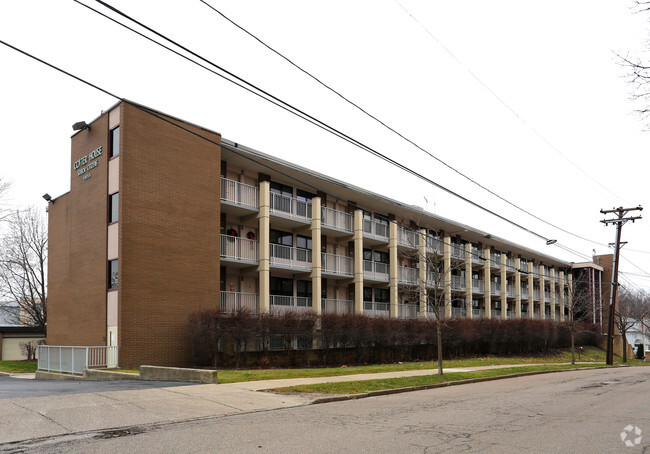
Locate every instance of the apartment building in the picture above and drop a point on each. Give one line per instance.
(164, 218)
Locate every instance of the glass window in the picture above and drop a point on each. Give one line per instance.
(381, 257)
(280, 237)
(303, 289)
(113, 207)
(281, 286)
(381, 219)
(367, 254)
(382, 295)
(304, 195)
(367, 293)
(112, 274)
(115, 142)
(303, 242)
(279, 188)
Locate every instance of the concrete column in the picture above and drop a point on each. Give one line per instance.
(531, 292)
(468, 279)
(517, 288)
(487, 278)
(422, 273)
(316, 282)
(504, 288)
(561, 296)
(552, 293)
(446, 276)
(358, 261)
(542, 298)
(264, 227)
(393, 278)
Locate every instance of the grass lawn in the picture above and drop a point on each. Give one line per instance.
(18, 366)
(357, 387)
(232, 375)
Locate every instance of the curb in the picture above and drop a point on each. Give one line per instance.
(468, 381)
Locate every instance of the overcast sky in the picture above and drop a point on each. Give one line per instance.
(527, 98)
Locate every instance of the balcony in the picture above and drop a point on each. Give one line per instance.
(458, 283)
(524, 293)
(407, 310)
(375, 309)
(478, 286)
(510, 289)
(495, 313)
(458, 252)
(408, 276)
(434, 279)
(375, 232)
(332, 306)
(290, 209)
(375, 271)
(290, 303)
(478, 313)
(495, 261)
(458, 312)
(290, 257)
(434, 245)
(477, 257)
(407, 238)
(336, 221)
(236, 301)
(337, 265)
(240, 250)
(495, 289)
(239, 198)
(547, 297)
(547, 274)
(512, 315)
(535, 270)
(535, 295)
(524, 314)
(523, 266)
(510, 266)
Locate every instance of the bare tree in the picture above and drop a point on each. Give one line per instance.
(631, 308)
(23, 268)
(4, 189)
(579, 306)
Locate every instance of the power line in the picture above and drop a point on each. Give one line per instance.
(402, 136)
(498, 98)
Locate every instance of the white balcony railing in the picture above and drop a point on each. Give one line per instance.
(478, 286)
(495, 261)
(477, 258)
(236, 193)
(495, 313)
(408, 276)
(377, 271)
(337, 306)
(478, 313)
(375, 229)
(458, 283)
(377, 309)
(407, 237)
(510, 265)
(524, 293)
(512, 314)
(235, 301)
(290, 303)
(458, 312)
(495, 289)
(523, 266)
(458, 251)
(535, 295)
(337, 264)
(407, 310)
(535, 270)
(433, 279)
(290, 257)
(335, 219)
(240, 249)
(511, 291)
(547, 296)
(290, 207)
(434, 245)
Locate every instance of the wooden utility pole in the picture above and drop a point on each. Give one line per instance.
(619, 221)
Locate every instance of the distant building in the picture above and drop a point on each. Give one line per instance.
(164, 218)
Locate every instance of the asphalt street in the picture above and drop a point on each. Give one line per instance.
(594, 411)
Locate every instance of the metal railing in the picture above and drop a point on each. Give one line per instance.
(376, 309)
(407, 237)
(336, 264)
(511, 291)
(495, 289)
(524, 314)
(290, 303)
(434, 278)
(536, 315)
(458, 312)
(495, 313)
(337, 306)
(375, 270)
(511, 314)
(290, 257)
(458, 251)
(510, 265)
(290, 207)
(375, 229)
(408, 276)
(336, 219)
(535, 270)
(236, 193)
(458, 283)
(73, 360)
(434, 245)
(547, 274)
(478, 313)
(523, 266)
(407, 310)
(495, 261)
(478, 286)
(524, 293)
(535, 295)
(476, 256)
(235, 301)
(547, 296)
(236, 248)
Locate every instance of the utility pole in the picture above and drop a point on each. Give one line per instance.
(619, 221)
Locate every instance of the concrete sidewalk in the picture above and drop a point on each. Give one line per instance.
(38, 417)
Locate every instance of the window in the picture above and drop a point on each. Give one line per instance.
(382, 295)
(279, 188)
(281, 286)
(112, 274)
(280, 237)
(303, 289)
(367, 293)
(367, 254)
(304, 195)
(113, 207)
(115, 142)
(303, 242)
(381, 257)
